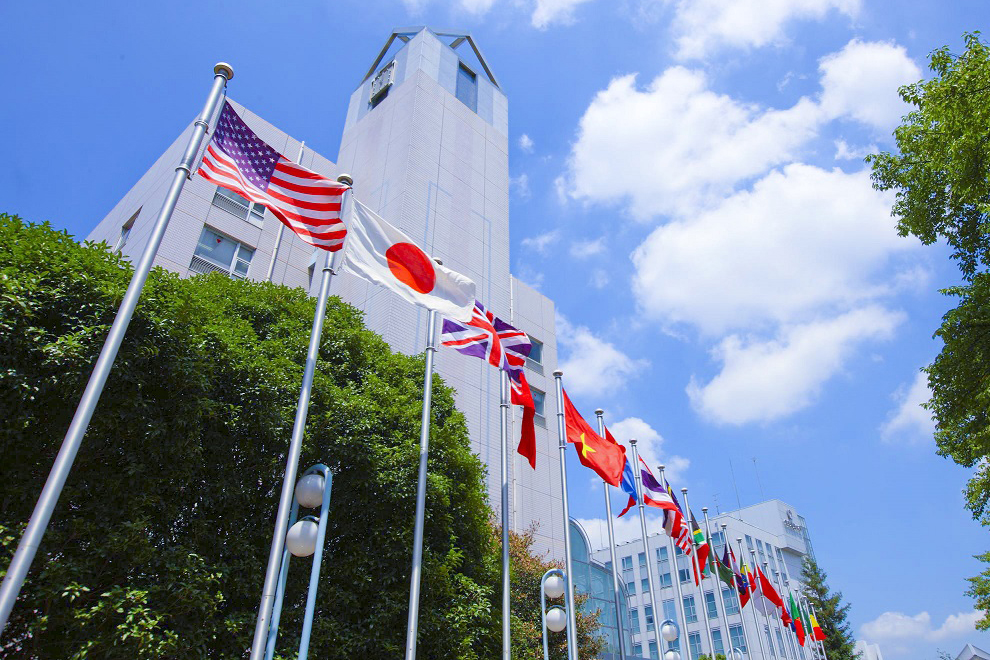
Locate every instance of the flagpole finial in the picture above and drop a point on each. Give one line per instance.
(724, 525)
(345, 179)
(661, 467)
(632, 441)
(223, 69)
(684, 490)
(738, 539)
(704, 509)
(599, 412)
(558, 373)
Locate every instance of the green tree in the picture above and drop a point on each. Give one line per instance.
(832, 613)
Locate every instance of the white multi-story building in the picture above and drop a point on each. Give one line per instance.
(426, 142)
(772, 531)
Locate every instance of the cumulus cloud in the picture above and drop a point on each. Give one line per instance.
(541, 242)
(909, 421)
(676, 144)
(649, 444)
(520, 184)
(803, 240)
(764, 380)
(843, 151)
(586, 249)
(626, 529)
(591, 365)
(554, 11)
(526, 143)
(861, 81)
(599, 278)
(704, 26)
(897, 626)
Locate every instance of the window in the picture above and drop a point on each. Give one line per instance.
(634, 620)
(766, 629)
(648, 613)
(674, 645)
(642, 561)
(731, 598)
(125, 231)
(662, 554)
(690, 614)
(627, 563)
(536, 351)
(677, 551)
(749, 541)
(654, 653)
(467, 87)
(717, 638)
(710, 605)
(694, 643)
(382, 83)
(638, 649)
(665, 579)
(216, 252)
(737, 638)
(234, 204)
(668, 610)
(684, 574)
(780, 644)
(631, 588)
(645, 585)
(539, 402)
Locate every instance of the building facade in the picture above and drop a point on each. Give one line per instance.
(778, 538)
(426, 142)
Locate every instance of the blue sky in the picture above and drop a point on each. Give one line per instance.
(688, 187)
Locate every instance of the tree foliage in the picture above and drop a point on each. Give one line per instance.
(832, 613)
(158, 545)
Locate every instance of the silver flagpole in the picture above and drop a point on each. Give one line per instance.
(814, 613)
(295, 448)
(28, 546)
(735, 589)
(572, 650)
(504, 423)
(766, 616)
(756, 621)
(646, 547)
(779, 623)
(412, 628)
(281, 226)
(675, 576)
(701, 583)
(611, 550)
(717, 586)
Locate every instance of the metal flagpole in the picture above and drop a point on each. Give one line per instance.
(814, 613)
(778, 622)
(675, 574)
(646, 546)
(28, 546)
(766, 616)
(281, 226)
(611, 550)
(412, 628)
(717, 586)
(572, 650)
(504, 423)
(756, 621)
(734, 588)
(701, 583)
(295, 448)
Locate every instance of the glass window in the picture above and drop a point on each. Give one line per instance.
(665, 580)
(638, 649)
(710, 605)
(536, 350)
(631, 588)
(684, 574)
(539, 401)
(694, 642)
(674, 645)
(662, 554)
(648, 615)
(634, 619)
(780, 644)
(773, 652)
(668, 610)
(737, 638)
(654, 653)
(689, 612)
(645, 585)
(717, 638)
(642, 560)
(627, 563)
(749, 541)
(467, 87)
(216, 252)
(731, 598)
(677, 551)
(236, 204)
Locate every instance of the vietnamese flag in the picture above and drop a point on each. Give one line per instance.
(604, 457)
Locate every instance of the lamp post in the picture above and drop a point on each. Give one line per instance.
(552, 585)
(670, 631)
(304, 537)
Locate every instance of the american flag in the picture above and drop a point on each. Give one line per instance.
(305, 202)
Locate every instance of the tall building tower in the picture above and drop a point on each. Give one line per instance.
(426, 141)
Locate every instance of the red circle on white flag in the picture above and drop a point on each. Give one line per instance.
(411, 266)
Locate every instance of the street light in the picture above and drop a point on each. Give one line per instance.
(552, 585)
(304, 538)
(737, 654)
(670, 631)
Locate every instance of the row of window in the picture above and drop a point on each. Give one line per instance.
(737, 639)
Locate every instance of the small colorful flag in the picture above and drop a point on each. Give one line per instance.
(701, 547)
(819, 634)
(604, 457)
(796, 618)
(628, 485)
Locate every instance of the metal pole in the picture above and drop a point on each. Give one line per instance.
(503, 384)
(314, 574)
(281, 226)
(701, 583)
(611, 550)
(676, 578)
(735, 590)
(778, 623)
(543, 606)
(572, 650)
(763, 601)
(646, 547)
(412, 629)
(726, 638)
(756, 623)
(29, 543)
(280, 591)
(814, 613)
(295, 447)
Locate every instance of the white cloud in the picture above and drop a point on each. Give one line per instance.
(910, 421)
(861, 81)
(626, 529)
(541, 242)
(894, 626)
(585, 249)
(845, 152)
(802, 242)
(703, 26)
(649, 444)
(554, 11)
(765, 380)
(526, 143)
(599, 278)
(675, 145)
(521, 185)
(593, 365)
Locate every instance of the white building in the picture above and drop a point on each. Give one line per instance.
(426, 141)
(869, 651)
(778, 537)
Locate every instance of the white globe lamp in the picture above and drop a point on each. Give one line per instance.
(671, 655)
(669, 631)
(553, 587)
(301, 539)
(556, 619)
(309, 491)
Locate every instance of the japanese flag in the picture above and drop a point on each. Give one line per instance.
(380, 253)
